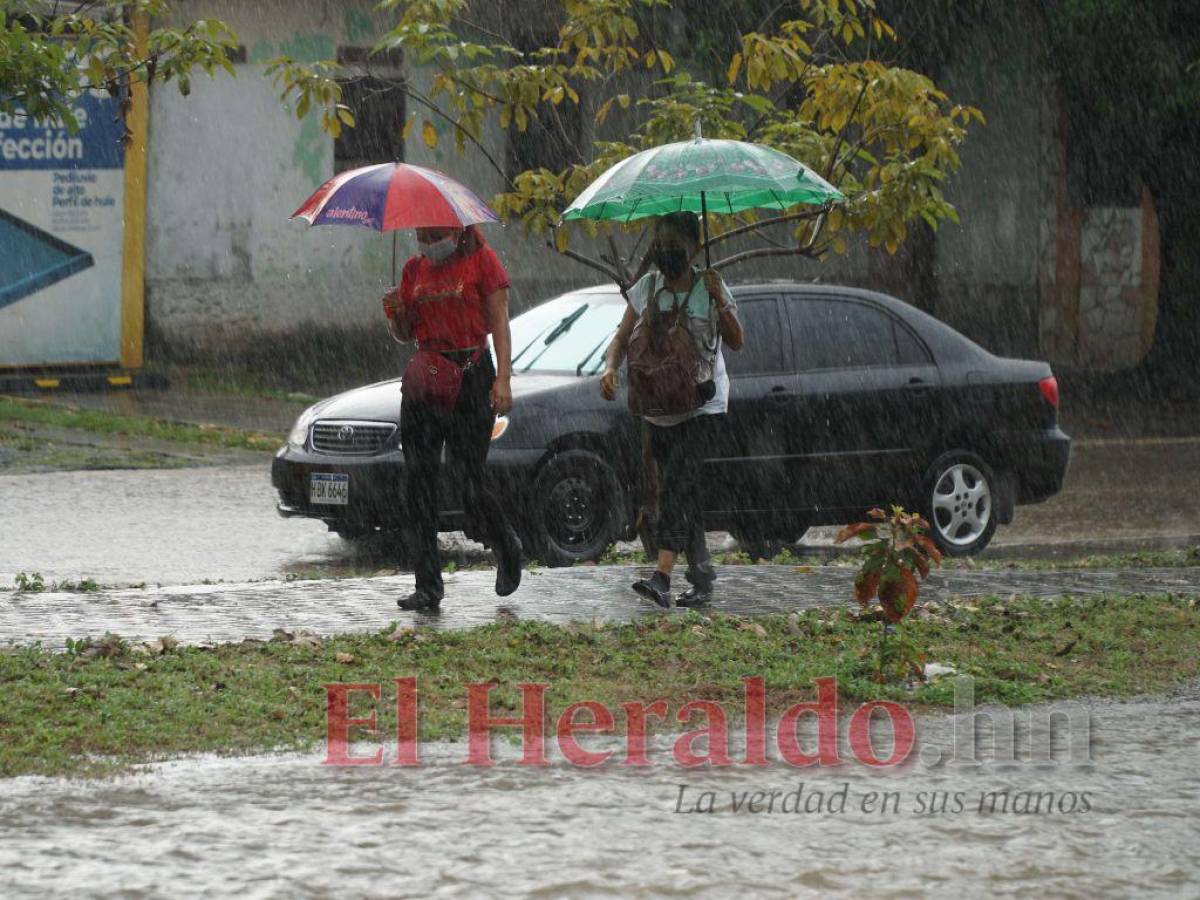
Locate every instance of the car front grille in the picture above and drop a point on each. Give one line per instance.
(351, 438)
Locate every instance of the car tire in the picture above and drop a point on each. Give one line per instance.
(959, 501)
(759, 545)
(577, 509)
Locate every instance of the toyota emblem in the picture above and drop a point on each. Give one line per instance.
(346, 432)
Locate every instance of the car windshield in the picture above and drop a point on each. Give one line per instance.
(568, 334)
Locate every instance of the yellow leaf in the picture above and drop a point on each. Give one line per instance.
(429, 134)
(407, 129)
(561, 239)
(735, 66)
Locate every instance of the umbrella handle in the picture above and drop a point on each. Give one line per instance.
(704, 219)
(393, 281)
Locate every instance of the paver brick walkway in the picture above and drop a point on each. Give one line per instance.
(230, 612)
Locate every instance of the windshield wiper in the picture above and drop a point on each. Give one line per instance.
(565, 325)
(588, 358)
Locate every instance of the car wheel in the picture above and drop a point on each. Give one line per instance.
(959, 498)
(578, 507)
(759, 545)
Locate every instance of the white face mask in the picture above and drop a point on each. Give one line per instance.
(440, 251)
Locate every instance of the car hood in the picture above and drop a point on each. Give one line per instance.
(381, 401)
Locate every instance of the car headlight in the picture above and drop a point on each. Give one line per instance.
(499, 427)
(298, 436)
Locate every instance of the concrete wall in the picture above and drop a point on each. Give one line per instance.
(229, 164)
(986, 267)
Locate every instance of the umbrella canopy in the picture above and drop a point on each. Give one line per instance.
(699, 176)
(394, 195)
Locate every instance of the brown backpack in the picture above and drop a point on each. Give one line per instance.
(665, 365)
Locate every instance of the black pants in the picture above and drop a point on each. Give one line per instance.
(466, 433)
(680, 451)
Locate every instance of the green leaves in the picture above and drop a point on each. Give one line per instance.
(48, 59)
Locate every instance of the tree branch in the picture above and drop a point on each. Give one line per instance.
(758, 254)
(618, 261)
(841, 134)
(755, 226)
(591, 264)
(433, 107)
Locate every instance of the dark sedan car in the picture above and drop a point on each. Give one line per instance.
(841, 400)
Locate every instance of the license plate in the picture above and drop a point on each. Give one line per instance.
(331, 490)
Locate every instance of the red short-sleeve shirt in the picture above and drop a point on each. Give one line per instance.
(447, 300)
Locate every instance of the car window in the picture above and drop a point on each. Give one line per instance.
(564, 333)
(909, 351)
(841, 334)
(762, 352)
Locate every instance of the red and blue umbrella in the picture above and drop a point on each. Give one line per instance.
(394, 195)
(390, 196)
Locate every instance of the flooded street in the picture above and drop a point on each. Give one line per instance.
(218, 523)
(286, 826)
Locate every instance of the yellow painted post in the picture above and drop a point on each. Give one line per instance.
(133, 256)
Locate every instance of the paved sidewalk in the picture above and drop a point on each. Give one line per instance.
(221, 613)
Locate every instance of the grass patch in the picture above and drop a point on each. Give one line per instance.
(1183, 557)
(26, 453)
(236, 382)
(103, 707)
(15, 410)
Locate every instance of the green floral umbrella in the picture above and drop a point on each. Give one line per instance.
(700, 175)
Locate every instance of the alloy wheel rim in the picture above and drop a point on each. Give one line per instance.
(573, 520)
(962, 504)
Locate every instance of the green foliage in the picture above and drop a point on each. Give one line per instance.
(812, 86)
(50, 56)
(36, 412)
(30, 584)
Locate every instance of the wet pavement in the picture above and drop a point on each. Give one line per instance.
(1124, 823)
(219, 522)
(230, 612)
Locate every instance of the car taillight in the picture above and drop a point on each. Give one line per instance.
(1049, 387)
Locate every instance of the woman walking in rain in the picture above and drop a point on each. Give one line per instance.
(451, 296)
(679, 443)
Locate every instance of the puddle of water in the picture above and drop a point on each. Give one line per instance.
(285, 826)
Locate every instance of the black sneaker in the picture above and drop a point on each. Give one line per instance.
(508, 565)
(695, 596)
(656, 588)
(419, 600)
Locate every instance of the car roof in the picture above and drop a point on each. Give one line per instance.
(947, 343)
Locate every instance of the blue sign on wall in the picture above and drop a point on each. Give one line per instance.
(61, 236)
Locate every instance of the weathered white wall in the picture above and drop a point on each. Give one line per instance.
(229, 164)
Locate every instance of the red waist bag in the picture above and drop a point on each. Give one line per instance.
(434, 380)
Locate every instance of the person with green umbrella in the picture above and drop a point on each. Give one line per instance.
(675, 182)
(679, 443)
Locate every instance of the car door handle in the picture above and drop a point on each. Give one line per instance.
(918, 385)
(780, 394)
